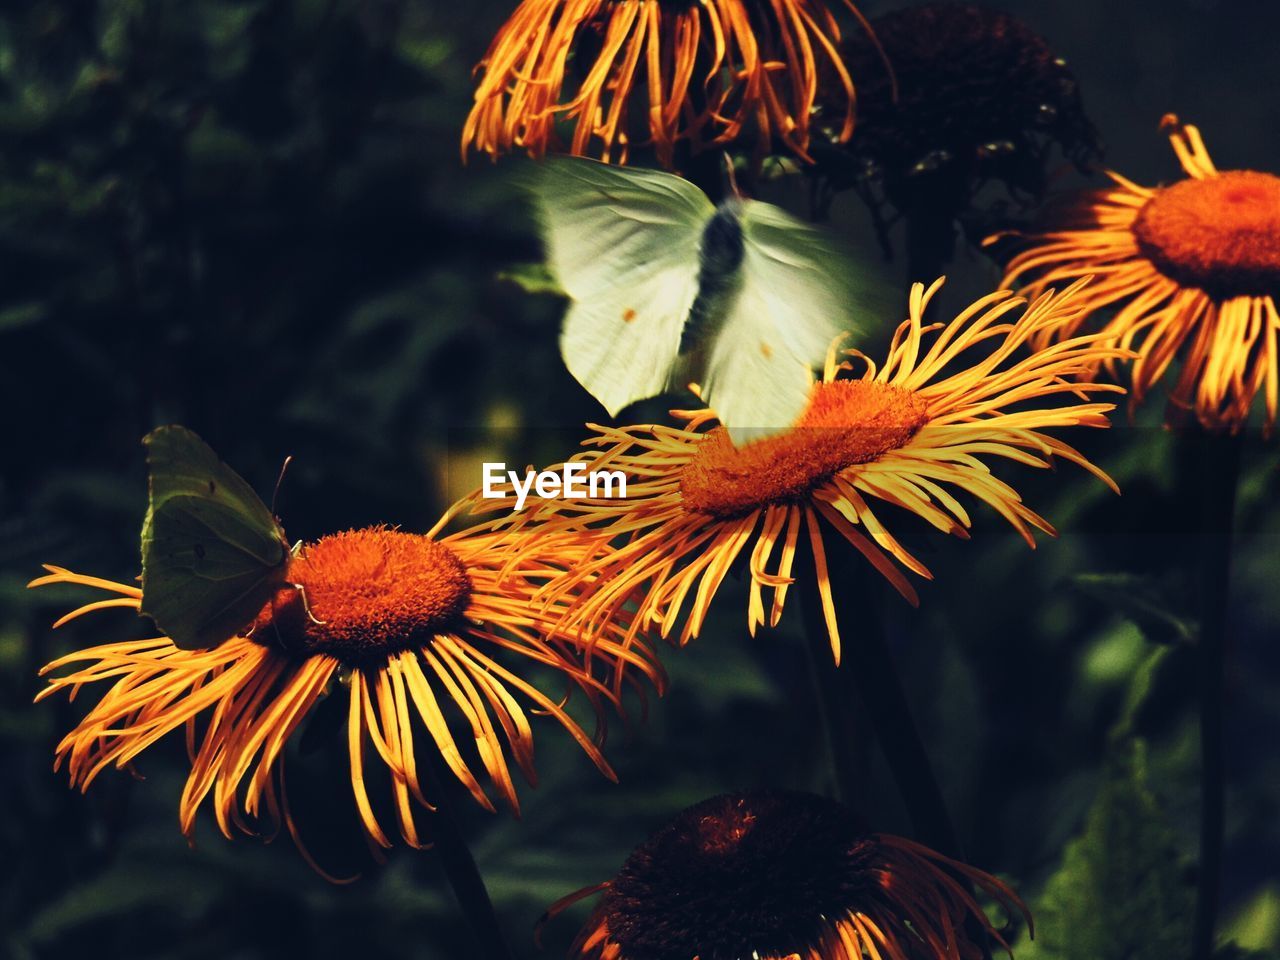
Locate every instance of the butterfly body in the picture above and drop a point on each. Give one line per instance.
(721, 252)
(666, 285)
(212, 553)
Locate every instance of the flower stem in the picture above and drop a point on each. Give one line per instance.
(1215, 468)
(460, 867)
(870, 676)
(843, 717)
(930, 243)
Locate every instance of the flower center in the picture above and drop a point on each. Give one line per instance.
(973, 94)
(1221, 234)
(366, 594)
(846, 422)
(743, 875)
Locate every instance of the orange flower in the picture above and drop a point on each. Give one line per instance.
(1193, 268)
(411, 626)
(909, 434)
(778, 876)
(712, 69)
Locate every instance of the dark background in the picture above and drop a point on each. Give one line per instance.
(250, 217)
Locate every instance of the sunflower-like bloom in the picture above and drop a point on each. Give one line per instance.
(712, 69)
(908, 434)
(780, 876)
(1194, 270)
(414, 628)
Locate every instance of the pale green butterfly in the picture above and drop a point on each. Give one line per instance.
(213, 555)
(668, 287)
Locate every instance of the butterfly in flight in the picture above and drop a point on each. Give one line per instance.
(666, 287)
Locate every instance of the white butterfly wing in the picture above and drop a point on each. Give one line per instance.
(755, 387)
(623, 244)
(797, 291)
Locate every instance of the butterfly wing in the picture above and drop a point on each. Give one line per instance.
(623, 244)
(798, 290)
(212, 553)
(753, 384)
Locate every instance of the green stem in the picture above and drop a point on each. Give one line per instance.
(460, 867)
(930, 243)
(1216, 467)
(869, 675)
(840, 707)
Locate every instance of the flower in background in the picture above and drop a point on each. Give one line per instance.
(909, 434)
(625, 72)
(1193, 270)
(979, 98)
(416, 629)
(784, 875)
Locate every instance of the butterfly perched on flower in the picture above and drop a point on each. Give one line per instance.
(213, 554)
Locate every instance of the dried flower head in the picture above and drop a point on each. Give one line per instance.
(977, 97)
(783, 875)
(620, 73)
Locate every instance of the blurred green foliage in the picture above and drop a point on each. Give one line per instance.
(1122, 888)
(250, 217)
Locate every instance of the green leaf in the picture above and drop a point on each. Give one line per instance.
(533, 278)
(1140, 601)
(1257, 925)
(1121, 892)
(22, 315)
(425, 54)
(1142, 684)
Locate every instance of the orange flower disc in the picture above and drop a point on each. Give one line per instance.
(369, 593)
(787, 875)
(1221, 234)
(847, 422)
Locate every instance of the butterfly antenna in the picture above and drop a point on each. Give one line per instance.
(275, 494)
(302, 592)
(732, 175)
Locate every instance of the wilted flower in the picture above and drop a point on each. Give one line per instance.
(979, 98)
(626, 72)
(1194, 270)
(783, 875)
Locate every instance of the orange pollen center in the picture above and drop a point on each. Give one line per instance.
(846, 423)
(365, 594)
(1220, 234)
